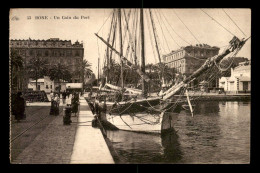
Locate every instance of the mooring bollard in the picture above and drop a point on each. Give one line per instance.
(67, 115)
(95, 121)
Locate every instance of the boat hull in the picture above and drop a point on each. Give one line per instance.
(143, 123)
(143, 116)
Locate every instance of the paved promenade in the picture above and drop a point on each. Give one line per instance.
(90, 146)
(53, 145)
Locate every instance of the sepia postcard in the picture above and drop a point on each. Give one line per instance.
(130, 85)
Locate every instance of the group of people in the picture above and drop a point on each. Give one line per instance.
(68, 99)
(55, 102)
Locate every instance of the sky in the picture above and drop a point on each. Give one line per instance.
(175, 28)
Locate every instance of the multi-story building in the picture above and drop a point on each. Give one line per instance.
(188, 59)
(54, 50)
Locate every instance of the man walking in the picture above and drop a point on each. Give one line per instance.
(64, 97)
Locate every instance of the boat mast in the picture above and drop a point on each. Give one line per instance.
(98, 69)
(144, 84)
(113, 40)
(121, 47)
(107, 53)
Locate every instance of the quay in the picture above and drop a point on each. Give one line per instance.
(218, 97)
(90, 145)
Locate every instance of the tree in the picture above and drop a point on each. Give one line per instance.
(83, 69)
(58, 72)
(37, 68)
(114, 72)
(164, 72)
(16, 68)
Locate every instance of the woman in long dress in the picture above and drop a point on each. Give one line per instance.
(56, 104)
(19, 107)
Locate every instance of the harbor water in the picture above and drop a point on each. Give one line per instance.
(218, 133)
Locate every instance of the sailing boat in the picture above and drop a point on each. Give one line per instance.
(126, 115)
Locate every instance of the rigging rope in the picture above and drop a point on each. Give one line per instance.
(175, 31)
(150, 34)
(135, 33)
(106, 20)
(234, 22)
(162, 33)
(186, 26)
(217, 22)
(168, 30)
(98, 56)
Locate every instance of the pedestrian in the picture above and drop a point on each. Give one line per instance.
(52, 110)
(51, 95)
(19, 107)
(68, 101)
(56, 104)
(63, 97)
(75, 103)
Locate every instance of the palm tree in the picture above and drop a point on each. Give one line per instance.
(37, 68)
(16, 68)
(164, 72)
(86, 67)
(83, 69)
(58, 72)
(114, 72)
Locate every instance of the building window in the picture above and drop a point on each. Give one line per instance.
(31, 52)
(23, 52)
(46, 53)
(51, 86)
(77, 53)
(47, 87)
(55, 53)
(68, 53)
(62, 53)
(39, 53)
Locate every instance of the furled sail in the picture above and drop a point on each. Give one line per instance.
(131, 90)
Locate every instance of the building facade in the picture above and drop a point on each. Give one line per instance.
(240, 79)
(54, 51)
(47, 85)
(188, 59)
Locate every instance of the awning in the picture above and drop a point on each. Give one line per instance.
(74, 85)
(38, 81)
